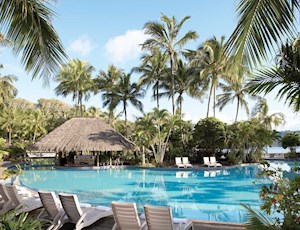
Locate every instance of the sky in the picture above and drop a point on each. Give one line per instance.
(111, 31)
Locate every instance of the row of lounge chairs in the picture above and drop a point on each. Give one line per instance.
(67, 208)
(207, 161)
(211, 162)
(184, 163)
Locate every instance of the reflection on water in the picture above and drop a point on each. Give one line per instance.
(196, 194)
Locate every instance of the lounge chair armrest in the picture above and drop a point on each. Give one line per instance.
(41, 213)
(189, 225)
(60, 215)
(79, 222)
(144, 225)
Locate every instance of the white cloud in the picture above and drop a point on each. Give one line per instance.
(125, 47)
(81, 45)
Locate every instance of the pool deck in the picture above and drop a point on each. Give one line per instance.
(108, 222)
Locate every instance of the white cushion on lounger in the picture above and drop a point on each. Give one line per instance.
(85, 205)
(103, 208)
(179, 220)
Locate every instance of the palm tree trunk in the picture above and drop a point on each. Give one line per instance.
(173, 83)
(34, 136)
(80, 105)
(125, 113)
(157, 99)
(9, 137)
(215, 101)
(237, 110)
(209, 98)
(180, 105)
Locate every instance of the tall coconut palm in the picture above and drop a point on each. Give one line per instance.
(183, 83)
(76, 78)
(165, 36)
(285, 76)
(124, 92)
(153, 69)
(214, 66)
(7, 89)
(106, 80)
(261, 25)
(261, 113)
(27, 25)
(236, 90)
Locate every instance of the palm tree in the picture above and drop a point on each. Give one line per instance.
(214, 66)
(165, 36)
(9, 120)
(105, 81)
(153, 69)
(75, 78)
(36, 124)
(261, 113)
(183, 83)
(285, 75)
(27, 25)
(7, 89)
(124, 92)
(261, 24)
(236, 90)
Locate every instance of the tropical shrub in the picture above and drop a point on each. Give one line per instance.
(248, 139)
(291, 140)
(209, 135)
(10, 221)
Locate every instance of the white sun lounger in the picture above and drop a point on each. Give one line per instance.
(53, 210)
(22, 203)
(179, 162)
(6, 203)
(82, 217)
(160, 218)
(186, 162)
(214, 162)
(126, 216)
(206, 162)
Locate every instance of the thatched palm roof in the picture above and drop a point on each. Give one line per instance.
(83, 134)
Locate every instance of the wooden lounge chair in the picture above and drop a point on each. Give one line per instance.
(179, 162)
(126, 216)
(206, 162)
(214, 162)
(82, 217)
(52, 210)
(186, 162)
(22, 203)
(6, 203)
(160, 218)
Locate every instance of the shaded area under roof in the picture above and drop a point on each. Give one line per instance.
(83, 134)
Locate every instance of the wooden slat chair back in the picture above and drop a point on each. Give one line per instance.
(71, 206)
(126, 216)
(158, 217)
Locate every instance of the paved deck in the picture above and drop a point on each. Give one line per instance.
(108, 222)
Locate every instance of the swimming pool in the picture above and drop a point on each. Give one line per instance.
(196, 194)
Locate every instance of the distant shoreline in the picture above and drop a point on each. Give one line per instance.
(277, 149)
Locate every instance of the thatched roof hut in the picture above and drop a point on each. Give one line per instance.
(83, 134)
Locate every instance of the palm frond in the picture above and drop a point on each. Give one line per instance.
(258, 221)
(261, 24)
(27, 24)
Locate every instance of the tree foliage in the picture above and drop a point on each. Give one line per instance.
(209, 134)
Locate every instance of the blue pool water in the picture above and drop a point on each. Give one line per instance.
(196, 194)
